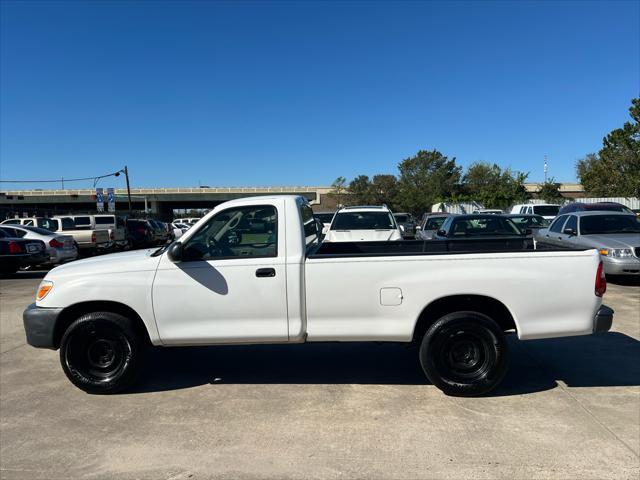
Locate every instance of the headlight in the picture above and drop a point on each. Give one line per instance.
(616, 252)
(44, 288)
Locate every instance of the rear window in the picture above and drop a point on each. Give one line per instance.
(546, 210)
(104, 220)
(402, 218)
(434, 223)
(484, 226)
(309, 224)
(605, 224)
(363, 221)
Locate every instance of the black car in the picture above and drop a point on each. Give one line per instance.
(406, 223)
(528, 222)
(495, 230)
(19, 252)
(590, 207)
(140, 233)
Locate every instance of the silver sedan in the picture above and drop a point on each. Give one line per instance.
(615, 235)
(60, 248)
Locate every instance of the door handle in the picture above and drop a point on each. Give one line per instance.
(265, 272)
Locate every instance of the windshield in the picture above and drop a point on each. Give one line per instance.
(530, 221)
(546, 210)
(602, 224)
(484, 226)
(363, 221)
(434, 223)
(324, 217)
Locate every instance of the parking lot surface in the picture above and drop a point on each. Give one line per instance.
(568, 408)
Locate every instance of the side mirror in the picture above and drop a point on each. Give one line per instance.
(441, 233)
(174, 252)
(418, 227)
(569, 231)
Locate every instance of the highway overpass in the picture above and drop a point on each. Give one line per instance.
(162, 201)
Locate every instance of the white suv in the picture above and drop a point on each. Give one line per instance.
(363, 224)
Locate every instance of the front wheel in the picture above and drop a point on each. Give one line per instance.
(101, 353)
(464, 354)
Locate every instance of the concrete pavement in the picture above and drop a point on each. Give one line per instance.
(569, 408)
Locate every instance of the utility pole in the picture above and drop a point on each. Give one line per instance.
(545, 168)
(126, 176)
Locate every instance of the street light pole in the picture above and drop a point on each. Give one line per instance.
(126, 176)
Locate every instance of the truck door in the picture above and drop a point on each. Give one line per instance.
(231, 283)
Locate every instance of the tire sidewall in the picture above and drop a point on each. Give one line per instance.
(478, 324)
(120, 327)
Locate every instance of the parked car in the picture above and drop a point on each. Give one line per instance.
(42, 222)
(547, 210)
(88, 241)
(188, 221)
(160, 233)
(60, 248)
(531, 222)
(362, 224)
(406, 223)
(431, 223)
(592, 207)
(325, 218)
(16, 253)
(252, 272)
(112, 223)
(616, 235)
(491, 211)
(140, 232)
(487, 227)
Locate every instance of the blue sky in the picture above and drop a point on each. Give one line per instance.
(298, 93)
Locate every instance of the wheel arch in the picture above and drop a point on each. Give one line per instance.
(484, 304)
(75, 311)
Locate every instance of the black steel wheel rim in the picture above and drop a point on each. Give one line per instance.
(98, 354)
(465, 355)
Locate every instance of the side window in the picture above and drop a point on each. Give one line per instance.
(523, 209)
(235, 233)
(68, 224)
(13, 221)
(28, 222)
(309, 223)
(557, 224)
(571, 223)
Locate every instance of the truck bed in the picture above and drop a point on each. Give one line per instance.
(427, 247)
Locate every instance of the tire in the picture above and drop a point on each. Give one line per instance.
(464, 354)
(101, 353)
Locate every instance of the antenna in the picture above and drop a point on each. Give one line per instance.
(545, 168)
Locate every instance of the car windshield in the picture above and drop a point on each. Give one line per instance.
(603, 224)
(324, 217)
(363, 221)
(434, 223)
(546, 210)
(530, 221)
(493, 225)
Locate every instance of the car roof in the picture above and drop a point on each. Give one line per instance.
(365, 208)
(592, 213)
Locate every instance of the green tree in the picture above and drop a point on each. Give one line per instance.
(360, 191)
(339, 190)
(494, 187)
(550, 191)
(425, 179)
(615, 170)
(384, 190)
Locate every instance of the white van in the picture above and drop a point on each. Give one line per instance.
(547, 210)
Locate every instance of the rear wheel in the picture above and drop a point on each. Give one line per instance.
(101, 353)
(464, 354)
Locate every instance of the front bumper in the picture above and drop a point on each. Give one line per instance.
(627, 266)
(603, 319)
(40, 325)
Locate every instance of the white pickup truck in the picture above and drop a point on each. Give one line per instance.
(252, 271)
